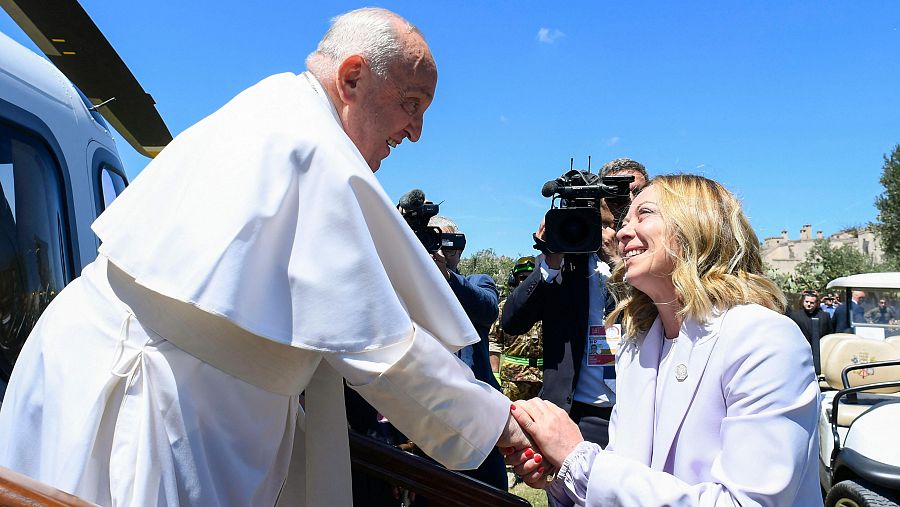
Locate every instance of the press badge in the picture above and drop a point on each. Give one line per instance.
(603, 343)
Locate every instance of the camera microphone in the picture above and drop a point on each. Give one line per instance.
(549, 188)
(412, 200)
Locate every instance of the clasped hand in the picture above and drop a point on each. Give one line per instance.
(553, 436)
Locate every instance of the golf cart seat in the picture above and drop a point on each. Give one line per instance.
(841, 350)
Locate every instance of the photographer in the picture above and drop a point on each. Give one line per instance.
(479, 298)
(567, 293)
(627, 167)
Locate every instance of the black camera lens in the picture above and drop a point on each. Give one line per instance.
(573, 230)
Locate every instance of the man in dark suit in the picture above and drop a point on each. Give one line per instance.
(854, 308)
(810, 318)
(558, 295)
(567, 293)
(480, 299)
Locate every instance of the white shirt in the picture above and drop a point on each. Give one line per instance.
(596, 385)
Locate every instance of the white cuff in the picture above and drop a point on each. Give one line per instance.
(433, 398)
(549, 274)
(570, 485)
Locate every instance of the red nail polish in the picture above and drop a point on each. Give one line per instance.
(529, 453)
(512, 406)
(538, 458)
(540, 470)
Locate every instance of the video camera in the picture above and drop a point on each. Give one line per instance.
(417, 212)
(573, 223)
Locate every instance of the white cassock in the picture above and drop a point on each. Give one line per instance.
(255, 258)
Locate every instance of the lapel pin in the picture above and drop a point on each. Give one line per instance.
(681, 372)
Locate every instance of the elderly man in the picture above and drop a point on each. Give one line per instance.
(853, 309)
(257, 258)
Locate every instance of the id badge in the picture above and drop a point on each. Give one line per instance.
(603, 343)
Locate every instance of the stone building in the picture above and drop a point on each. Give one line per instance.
(784, 254)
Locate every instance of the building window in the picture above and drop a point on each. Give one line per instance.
(34, 252)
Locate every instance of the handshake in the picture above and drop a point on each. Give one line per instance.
(537, 439)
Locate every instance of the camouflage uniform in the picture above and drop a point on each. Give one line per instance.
(521, 363)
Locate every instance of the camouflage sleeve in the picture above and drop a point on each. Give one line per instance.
(496, 337)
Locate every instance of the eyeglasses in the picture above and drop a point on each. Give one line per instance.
(810, 293)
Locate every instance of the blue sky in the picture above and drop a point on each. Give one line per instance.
(791, 105)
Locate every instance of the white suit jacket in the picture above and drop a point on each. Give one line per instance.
(739, 429)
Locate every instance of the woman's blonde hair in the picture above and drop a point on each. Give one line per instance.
(714, 250)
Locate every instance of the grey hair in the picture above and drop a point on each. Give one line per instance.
(623, 164)
(441, 222)
(370, 32)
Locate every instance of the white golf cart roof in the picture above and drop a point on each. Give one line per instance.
(889, 280)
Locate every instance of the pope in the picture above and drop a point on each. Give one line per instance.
(255, 259)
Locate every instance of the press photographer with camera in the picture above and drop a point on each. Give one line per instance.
(627, 167)
(567, 294)
(477, 293)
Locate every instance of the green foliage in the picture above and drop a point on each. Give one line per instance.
(890, 264)
(790, 283)
(489, 263)
(888, 204)
(825, 262)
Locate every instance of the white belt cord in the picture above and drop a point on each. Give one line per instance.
(125, 364)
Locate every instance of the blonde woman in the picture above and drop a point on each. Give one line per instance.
(717, 399)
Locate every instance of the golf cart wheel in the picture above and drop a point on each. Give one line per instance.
(856, 493)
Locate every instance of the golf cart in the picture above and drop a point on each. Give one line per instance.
(859, 451)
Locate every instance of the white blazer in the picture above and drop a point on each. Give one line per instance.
(738, 429)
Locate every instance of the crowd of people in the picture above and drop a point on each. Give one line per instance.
(226, 338)
(819, 316)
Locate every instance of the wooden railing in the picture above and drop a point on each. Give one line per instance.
(17, 490)
(442, 487)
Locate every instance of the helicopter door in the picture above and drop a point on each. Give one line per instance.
(35, 249)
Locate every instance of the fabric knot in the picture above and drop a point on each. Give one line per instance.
(128, 355)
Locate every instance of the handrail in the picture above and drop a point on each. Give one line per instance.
(835, 405)
(442, 487)
(17, 490)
